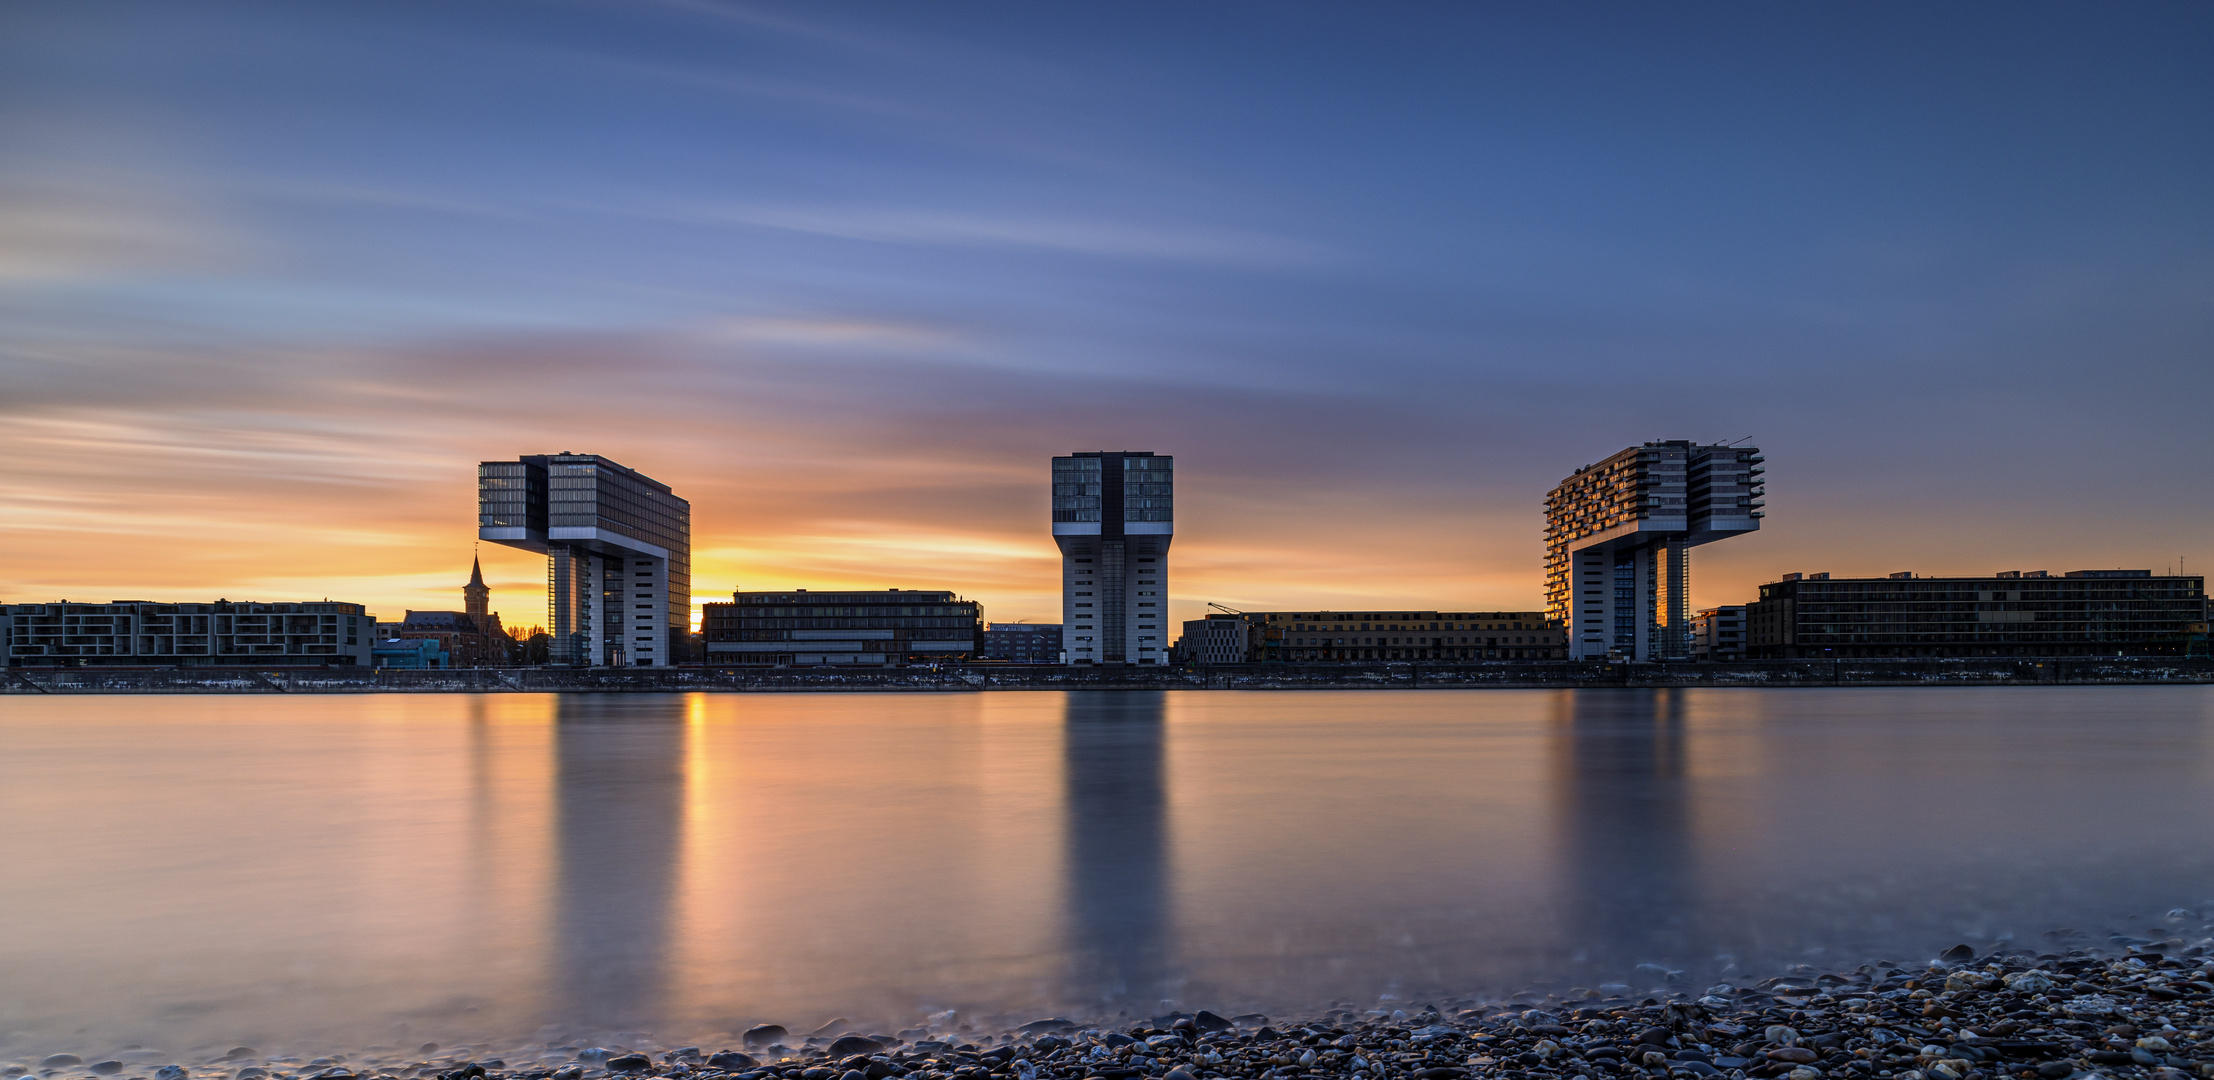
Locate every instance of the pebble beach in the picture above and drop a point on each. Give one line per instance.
(2137, 1013)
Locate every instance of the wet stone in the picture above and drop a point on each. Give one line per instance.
(1998, 1017)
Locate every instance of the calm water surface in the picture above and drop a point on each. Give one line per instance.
(188, 872)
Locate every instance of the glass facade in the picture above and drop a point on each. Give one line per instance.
(512, 494)
(1148, 489)
(1076, 489)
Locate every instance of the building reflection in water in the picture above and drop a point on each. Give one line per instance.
(1118, 875)
(1631, 859)
(619, 776)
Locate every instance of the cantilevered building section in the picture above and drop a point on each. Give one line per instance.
(1113, 518)
(1618, 540)
(619, 554)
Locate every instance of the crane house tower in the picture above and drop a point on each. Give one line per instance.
(1618, 540)
(618, 547)
(1113, 518)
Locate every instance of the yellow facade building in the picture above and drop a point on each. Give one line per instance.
(1324, 636)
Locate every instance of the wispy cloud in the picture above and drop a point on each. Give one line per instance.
(363, 195)
(1060, 234)
(65, 229)
(829, 333)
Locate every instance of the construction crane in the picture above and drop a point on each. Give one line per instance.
(1224, 608)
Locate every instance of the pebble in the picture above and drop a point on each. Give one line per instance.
(60, 1061)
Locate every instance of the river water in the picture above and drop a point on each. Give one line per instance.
(187, 872)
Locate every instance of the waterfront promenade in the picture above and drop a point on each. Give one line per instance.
(1397, 676)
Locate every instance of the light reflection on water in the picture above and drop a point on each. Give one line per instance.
(329, 871)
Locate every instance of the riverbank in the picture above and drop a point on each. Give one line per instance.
(2132, 1012)
(957, 679)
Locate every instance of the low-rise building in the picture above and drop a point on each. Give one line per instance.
(2015, 613)
(148, 633)
(885, 628)
(412, 654)
(1718, 633)
(1304, 637)
(1022, 643)
(1218, 639)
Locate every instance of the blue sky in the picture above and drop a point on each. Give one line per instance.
(273, 277)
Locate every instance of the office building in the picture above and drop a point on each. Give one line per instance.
(2016, 613)
(146, 633)
(1307, 637)
(1618, 540)
(618, 548)
(1718, 633)
(1021, 643)
(1217, 639)
(885, 628)
(1113, 518)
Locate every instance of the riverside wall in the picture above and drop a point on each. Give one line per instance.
(963, 679)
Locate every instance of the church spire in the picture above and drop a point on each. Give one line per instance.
(476, 597)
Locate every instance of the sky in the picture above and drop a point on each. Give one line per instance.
(275, 277)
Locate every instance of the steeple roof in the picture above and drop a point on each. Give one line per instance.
(476, 573)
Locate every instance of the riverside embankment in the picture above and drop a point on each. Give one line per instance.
(1400, 676)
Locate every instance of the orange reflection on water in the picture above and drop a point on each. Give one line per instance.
(825, 840)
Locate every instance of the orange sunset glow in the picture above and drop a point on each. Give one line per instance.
(848, 297)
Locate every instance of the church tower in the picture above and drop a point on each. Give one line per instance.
(476, 598)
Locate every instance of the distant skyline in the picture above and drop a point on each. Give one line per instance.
(274, 278)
